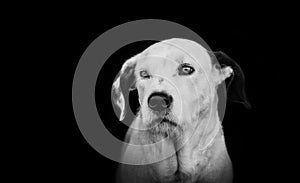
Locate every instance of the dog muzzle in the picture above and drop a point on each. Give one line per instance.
(160, 104)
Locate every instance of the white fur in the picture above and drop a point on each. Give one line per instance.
(191, 94)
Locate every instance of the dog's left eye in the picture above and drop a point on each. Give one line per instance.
(186, 70)
(144, 74)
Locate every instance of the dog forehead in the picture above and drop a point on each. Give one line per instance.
(179, 51)
(154, 63)
(194, 51)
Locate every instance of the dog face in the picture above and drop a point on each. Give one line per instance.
(174, 78)
(169, 83)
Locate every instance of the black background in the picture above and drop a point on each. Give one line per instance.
(68, 156)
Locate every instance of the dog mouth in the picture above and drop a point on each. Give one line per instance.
(164, 117)
(164, 126)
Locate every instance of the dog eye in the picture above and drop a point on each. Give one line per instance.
(144, 74)
(186, 70)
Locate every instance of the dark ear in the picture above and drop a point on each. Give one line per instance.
(121, 86)
(225, 67)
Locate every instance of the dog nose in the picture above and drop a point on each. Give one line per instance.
(159, 101)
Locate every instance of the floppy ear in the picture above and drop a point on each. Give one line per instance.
(118, 98)
(122, 85)
(225, 67)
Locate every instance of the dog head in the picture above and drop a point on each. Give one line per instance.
(176, 81)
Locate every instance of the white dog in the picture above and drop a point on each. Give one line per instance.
(177, 134)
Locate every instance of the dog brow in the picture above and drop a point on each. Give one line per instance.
(179, 59)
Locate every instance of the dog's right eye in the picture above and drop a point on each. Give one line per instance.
(144, 74)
